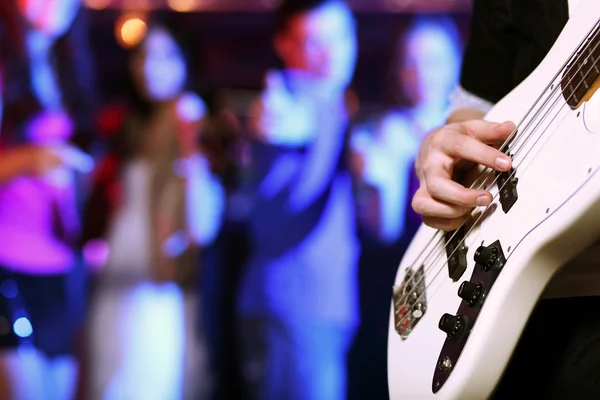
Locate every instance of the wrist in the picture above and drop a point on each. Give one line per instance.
(465, 105)
(464, 114)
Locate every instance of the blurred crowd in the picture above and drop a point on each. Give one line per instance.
(163, 248)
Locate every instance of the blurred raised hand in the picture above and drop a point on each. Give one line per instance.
(279, 117)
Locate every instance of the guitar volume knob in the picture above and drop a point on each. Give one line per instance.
(470, 292)
(487, 257)
(452, 325)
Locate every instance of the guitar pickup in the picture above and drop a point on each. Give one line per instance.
(507, 187)
(456, 253)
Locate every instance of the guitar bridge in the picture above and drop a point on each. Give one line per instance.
(410, 302)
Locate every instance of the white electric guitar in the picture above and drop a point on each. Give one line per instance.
(462, 298)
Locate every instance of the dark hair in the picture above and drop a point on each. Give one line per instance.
(446, 23)
(138, 104)
(139, 108)
(74, 65)
(289, 9)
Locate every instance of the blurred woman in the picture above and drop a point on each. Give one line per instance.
(47, 93)
(424, 71)
(154, 203)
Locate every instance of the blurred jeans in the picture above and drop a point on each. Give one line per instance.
(294, 361)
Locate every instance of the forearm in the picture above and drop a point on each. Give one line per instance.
(204, 202)
(393, 202)
(13, 163)
(273, 167)
(288, 144)
(318, 168)
(388, 172)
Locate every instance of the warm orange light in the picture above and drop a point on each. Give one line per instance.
(97, 4)
(130, 30)
(182, 5)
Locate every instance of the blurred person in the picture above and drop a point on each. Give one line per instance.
(4, 383)
(423, 72)
(297, 301)
(224, 141)
(155, 202)
(48, 102)
(425, 69)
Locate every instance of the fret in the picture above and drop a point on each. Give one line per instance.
(582, 72)
(574, 96)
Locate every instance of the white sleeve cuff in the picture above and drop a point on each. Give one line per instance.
(460, 99)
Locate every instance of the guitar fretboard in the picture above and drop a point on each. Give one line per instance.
(583, 72)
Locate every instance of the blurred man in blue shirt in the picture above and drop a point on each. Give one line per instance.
(298, 296)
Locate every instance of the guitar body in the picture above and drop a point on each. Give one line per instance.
(555, 217)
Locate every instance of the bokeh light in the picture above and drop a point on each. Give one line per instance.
(182, 5)
(97, 4)
(130, 29)
(22, 327)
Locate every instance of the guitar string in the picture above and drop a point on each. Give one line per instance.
(433, 280)
(508, 140)
(483, 172)
(511, 176)
(528, 137)
(428, 270)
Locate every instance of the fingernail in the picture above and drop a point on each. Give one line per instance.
(483, 201)
(502, 163)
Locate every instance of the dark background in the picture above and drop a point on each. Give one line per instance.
(232, 50)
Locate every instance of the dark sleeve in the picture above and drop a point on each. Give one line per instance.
(490, 55)
(264, 155)
(271, 221)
